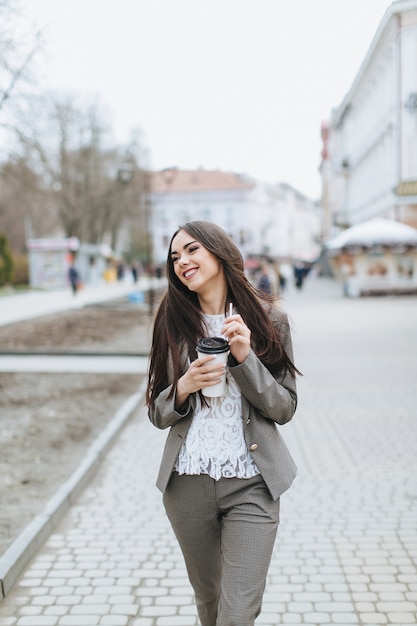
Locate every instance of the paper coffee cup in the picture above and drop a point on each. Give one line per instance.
(218, 347)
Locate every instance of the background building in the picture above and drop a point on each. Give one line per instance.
(369, 158)
(264, 220)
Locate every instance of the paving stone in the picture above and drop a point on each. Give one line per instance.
(57, 610)
(114, 620)
(78, 620)
(39, 620)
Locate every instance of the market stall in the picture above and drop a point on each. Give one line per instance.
(375, 257)
(50, 259)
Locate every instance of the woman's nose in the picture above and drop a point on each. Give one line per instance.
(183, 260)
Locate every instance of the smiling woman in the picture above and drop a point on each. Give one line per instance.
(225, 465)
(200, 271)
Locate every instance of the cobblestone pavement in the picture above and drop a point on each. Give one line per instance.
(347, 547)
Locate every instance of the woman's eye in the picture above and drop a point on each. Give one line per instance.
(193, 249)
(174, 259)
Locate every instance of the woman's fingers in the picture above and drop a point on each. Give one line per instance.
(205, 371)
(238, 336)
(234, 326)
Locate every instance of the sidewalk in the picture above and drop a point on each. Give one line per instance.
(347, 545)
(28, 305)
(86, 364)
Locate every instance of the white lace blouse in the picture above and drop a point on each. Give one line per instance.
(215, 444)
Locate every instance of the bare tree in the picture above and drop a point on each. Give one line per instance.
(67, 145)
(133, 195)
(25, 208)
(63, 173)
(19, 44)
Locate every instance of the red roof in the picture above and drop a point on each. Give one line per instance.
(174, 179)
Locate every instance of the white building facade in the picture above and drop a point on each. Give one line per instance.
(263, 220)
(369, 159)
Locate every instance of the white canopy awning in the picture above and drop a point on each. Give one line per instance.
(375, 232)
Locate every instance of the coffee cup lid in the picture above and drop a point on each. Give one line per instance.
(212, 345)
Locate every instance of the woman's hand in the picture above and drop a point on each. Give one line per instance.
(238, 336)
(203, 372)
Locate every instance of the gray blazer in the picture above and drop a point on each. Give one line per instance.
(266, 402)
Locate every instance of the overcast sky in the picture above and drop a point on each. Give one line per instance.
(240, 85)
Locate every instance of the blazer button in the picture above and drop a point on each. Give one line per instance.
(248, 420)
(253, 447)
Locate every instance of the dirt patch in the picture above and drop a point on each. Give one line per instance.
(116, 327)
(48, 421)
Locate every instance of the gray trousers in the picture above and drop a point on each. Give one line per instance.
(226, 530)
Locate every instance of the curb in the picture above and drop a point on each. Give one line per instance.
(36, 532)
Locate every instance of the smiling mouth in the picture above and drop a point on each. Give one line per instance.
(190, 273)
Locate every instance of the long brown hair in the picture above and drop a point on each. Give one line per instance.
(179, 321)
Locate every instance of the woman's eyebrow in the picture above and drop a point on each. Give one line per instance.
(185, 247)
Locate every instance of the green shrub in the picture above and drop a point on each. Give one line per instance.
(6, 262)
(20, 269)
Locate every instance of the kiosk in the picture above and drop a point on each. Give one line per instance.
(375, 257)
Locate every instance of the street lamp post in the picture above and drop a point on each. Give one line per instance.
(125, 176)
(149, 255)
(125, 173)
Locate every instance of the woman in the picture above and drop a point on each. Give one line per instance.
(225, 465)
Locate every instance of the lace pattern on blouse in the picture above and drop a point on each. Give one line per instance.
(215, 444)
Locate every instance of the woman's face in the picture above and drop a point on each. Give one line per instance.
(195, 266)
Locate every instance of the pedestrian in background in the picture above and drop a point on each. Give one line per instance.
(273, 275)
(120, 270)
(134, 270)
(300, 273)
(225, 464)
(282, 281)
(264, 283)
(74, 278)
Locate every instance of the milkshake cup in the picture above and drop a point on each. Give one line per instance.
(218, 347)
